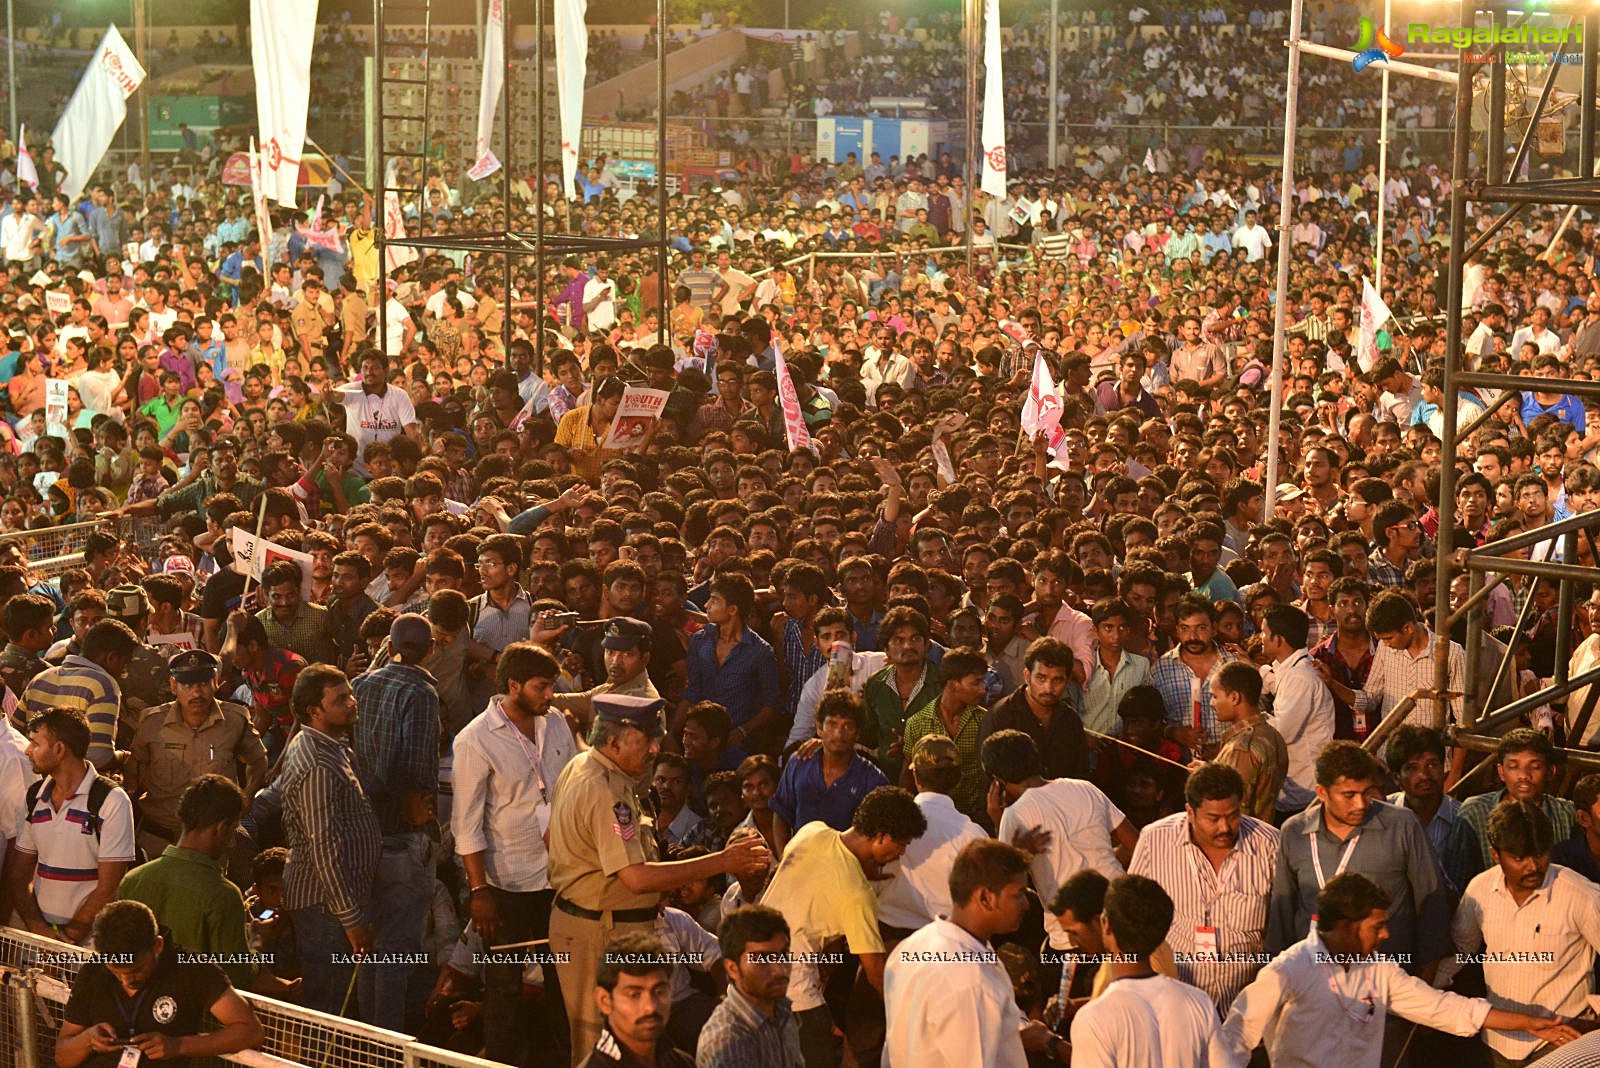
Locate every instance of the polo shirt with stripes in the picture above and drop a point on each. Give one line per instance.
(69, 852)
(83, 686)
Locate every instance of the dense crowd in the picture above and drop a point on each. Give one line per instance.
(865, 721)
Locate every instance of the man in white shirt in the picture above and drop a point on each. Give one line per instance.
(1085, 830)
(1252, 237)
(1302, 707)
(599, 299)
(504, 764)
(735, 286)
(918, 890)
(20, 233)
(374, 411)
(16, 775)
(948, 999)
(1537, 925)
(1144, 1019)
(1323, 1001)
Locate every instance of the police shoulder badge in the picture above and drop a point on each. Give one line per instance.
(164, 1009)
(623, 824)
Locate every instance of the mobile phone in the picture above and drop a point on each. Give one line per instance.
(560, 619)
(267, 914)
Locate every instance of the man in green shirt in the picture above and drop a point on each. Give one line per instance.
(186, 888)
(902, 689)
(958, 715)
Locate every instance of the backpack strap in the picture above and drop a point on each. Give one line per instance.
(33, 793)
(99, 790)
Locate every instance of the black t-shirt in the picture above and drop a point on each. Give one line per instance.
(221, 594)
(174, 1001)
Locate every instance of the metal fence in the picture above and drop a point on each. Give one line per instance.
(52, 550)
(36, 976)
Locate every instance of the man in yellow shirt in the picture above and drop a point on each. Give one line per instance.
(822, 889)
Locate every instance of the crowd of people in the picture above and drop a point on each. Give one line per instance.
(850, 716)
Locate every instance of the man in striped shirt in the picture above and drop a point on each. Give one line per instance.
(334, 839)
(87, 682)
(1217, 865)
(71, 852)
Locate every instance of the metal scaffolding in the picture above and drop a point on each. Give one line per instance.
(405, 137)
(1500, 187)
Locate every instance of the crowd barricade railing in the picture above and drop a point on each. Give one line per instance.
(36, 976)
(143, 531)
(52, 550)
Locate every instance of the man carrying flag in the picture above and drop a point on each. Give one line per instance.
(1374, 313)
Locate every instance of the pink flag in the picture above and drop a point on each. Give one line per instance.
(794, 423)
(1043, 408)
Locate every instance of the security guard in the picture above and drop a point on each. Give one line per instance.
(178, 742)
(607, 873)
(146, 683)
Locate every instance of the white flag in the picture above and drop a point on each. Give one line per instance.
(572, 66)
(258, 204)
(494, 75)
(994, 105)
(95, 112)
(1150, 160)
(253, 555)
(281, 35)
(27, 173)
(1374, 313)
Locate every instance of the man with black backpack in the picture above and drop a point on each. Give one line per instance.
(77, 840)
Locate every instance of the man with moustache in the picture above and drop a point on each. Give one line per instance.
(633, 991)
(506, 762)
(755, 1023)
(1525, 764)
(1216, 864)
(1537, 924)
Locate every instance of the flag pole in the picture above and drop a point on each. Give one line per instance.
(1280, 322)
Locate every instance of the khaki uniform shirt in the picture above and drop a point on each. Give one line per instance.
(598, 826)
(581, 704)
(168, 754)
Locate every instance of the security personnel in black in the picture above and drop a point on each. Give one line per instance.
(142, 993)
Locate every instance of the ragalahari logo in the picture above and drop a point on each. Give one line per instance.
(1373, 45)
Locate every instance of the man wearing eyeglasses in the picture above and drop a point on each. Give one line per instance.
(1400, 535)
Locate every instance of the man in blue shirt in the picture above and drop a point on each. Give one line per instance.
(69, 234)
(735, 667)
(826, 786)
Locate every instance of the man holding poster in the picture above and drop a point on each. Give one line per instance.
(589, 432)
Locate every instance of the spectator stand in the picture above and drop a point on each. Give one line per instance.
(36, 976)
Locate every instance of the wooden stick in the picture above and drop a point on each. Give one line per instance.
(334, 164)
(519, 945)
(255, 546)
(1137, 749)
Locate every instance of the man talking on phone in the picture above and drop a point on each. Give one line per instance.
(142, 1001)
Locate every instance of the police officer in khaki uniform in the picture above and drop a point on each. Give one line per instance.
(178, 742)
(604, 865)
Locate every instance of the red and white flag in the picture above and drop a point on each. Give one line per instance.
(1374, 313)
(1043, 408)
(27, 173)
(794, 422)
(494, 73)
(993, 136)
(282, 33)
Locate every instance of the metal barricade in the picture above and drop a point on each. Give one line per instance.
(36, 975)
(52, 550)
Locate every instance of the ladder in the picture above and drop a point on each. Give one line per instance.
(403, 110)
